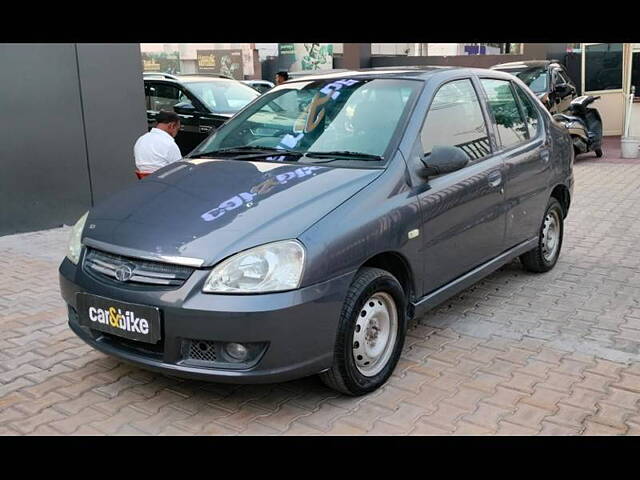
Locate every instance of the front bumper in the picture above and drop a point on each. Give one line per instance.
(298, 327)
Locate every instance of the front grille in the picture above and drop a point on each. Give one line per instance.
(141, 348)
(110, 267)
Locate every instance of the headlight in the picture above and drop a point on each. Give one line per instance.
(272, 267)
(73, 252)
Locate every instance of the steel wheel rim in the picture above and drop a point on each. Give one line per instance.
(375, 333)
(551, 235)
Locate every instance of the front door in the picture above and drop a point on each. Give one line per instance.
(163, 96)
(463, 218)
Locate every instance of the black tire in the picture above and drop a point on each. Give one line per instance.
(535, 260)
(598, 152)
(344, 375)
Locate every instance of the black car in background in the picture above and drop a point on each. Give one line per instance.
(260, 85)
(203, 101)
(548, 79)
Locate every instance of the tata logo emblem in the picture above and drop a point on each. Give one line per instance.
(124, 273)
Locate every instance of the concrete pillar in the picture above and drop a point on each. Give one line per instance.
(356, 55)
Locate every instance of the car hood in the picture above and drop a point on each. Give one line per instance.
(209, 209)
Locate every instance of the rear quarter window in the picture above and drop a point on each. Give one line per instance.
(511, 127)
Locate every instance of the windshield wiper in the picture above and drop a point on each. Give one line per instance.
(260, 152)
(345, 154)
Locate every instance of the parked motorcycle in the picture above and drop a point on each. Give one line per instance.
(584, 124)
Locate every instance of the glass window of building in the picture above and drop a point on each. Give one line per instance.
(603, 67)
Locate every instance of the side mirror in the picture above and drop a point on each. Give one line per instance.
(562, 89)
(184, 108)
(443, 159)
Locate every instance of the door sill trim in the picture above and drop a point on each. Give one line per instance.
(438, 296)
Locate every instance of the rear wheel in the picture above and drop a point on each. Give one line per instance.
(370, 333)
(544, 257)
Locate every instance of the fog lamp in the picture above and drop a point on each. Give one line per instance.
(236, 351)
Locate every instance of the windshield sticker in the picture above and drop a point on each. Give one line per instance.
(309, 120)
(333, 88)
(247, 198)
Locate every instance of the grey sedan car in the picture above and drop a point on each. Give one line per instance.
(303, 235)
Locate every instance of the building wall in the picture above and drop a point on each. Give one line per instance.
(477, 61)
(74, 112)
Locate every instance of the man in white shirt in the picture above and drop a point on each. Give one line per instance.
(157, 147)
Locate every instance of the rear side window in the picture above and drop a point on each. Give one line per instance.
(502, 103)
(530, 111)
(455, 119)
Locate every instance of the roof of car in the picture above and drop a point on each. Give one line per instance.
(525, 64)
(411, 72)
(186, 78)
(202, 78)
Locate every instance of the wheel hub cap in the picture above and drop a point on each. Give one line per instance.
(550, 235)
(375, 334)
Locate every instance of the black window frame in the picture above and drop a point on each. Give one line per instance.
(483, 109)
(494, 124)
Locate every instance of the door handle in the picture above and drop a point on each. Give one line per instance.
(494, 178)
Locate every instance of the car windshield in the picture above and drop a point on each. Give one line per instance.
(348, 119)
(223, 96)
(535, 78)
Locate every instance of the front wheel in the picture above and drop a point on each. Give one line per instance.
(544, 257)
(370, 333)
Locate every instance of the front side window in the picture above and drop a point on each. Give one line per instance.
(223, 96)
(359, 116)
(455, 119)
(564, 78)
(530, 111)
(164, 97)
(502, 103)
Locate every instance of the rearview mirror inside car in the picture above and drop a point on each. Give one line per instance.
(443, 159)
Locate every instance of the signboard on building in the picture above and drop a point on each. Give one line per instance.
(161, 62)
(311, 56)
(225, 62)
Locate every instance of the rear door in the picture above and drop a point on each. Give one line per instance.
(463, 218)
(526, 152)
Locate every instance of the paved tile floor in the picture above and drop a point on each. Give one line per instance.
(518, 353)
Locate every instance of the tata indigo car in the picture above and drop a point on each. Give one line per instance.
(303, 235)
